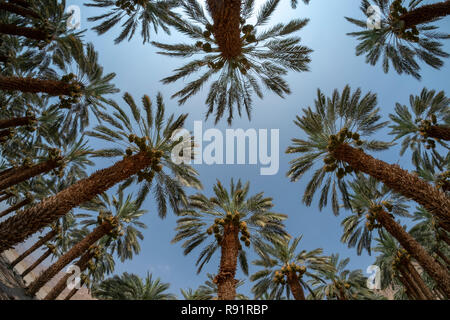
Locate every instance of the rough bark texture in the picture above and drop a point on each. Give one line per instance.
(411, 186)
(226, 282)
(18, 228)
(439, 132)
(227, 15)
(49, 236)
(426, 13)
(415, 250)
(62, 283)
(295, 285)
(409, 289)
(19, 10)
(28, 173)
(15, 207)
(76, 251)
(73, 292)
(30, 33)
(37, 262)
(51, 87)
(418, 279)
(443, 257)
(410, 280)
(15, 122)
(5, 173)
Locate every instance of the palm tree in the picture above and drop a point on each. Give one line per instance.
(132, 287)
(342, 284)
(427, 120)
(210, 288)
(226, 215)
(125, 245)
(147, 13)
(332, 128)
(377, 201)
(75, 154)
(51, 250)
(403, 35)
(234, 55)
(42, 240)
(287, 270)
(395, 266)
(153, 150)
(93, 252)
(19, 10)
(198, 294)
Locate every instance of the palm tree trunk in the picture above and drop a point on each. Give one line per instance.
(443, 236)
(51, 87)
(443, 257)
(30, 33)
(5, 133)
(415, 250)
(73, 292)
(296, 287)
(76, 251)
(37, 262)
(49, 236)
(226, 283)
(19, 10)
(23, 3)
(6, 197)
(425, 14)
(18, 228)
(439, 132)
(6, 172)
(15, 207)
(401, 181)
(16, 122)
(28, 173)
(227, 16)
(410, 280)
(418, 279)
(62, 283)
(409, 289)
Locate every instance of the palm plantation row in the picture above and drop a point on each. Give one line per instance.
(55, 100)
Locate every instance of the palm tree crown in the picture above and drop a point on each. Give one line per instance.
(353, 113)
(283, 259)
(146, 13)
(394, 44)
(417, 124)
(266, 55)
(148, 128)
(205, 216)
(367, 193)
(131, 287)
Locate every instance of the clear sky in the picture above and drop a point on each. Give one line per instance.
(334, 65)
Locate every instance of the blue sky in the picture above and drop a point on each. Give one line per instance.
(334, 65)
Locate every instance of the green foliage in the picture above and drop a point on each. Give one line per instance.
(267, 55)
(393, 46)
(345, 110)
(203, 212)
(129, 286)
